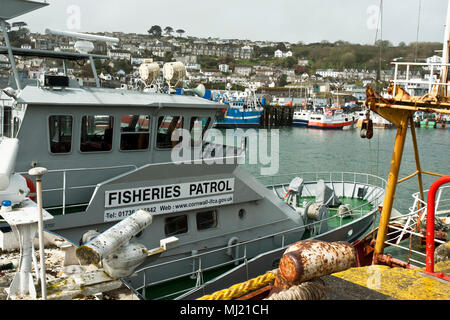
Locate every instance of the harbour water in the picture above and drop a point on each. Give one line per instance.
(312, 150)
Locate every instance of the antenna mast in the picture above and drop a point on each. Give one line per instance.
(445, 53)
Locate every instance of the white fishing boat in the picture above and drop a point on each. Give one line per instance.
(331, 118)
(301, 117)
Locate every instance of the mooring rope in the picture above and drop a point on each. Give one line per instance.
(240, 289)
(314, 289)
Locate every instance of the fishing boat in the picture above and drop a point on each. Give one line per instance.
(331, 118)
(300, 118)
(108, 154)
(243, 112)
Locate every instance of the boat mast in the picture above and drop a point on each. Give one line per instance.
(445, 53)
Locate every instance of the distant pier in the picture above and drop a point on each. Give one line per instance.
(277, 116)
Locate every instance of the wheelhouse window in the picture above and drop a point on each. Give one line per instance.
(168, 136)
(60, 129)
(96, 133)
(206, 220)
(175, 225)
(198, 128)
(134, 132)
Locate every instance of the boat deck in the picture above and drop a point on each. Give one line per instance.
(397, 283)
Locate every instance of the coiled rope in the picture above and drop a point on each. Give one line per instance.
(314, 289)
(239, 289)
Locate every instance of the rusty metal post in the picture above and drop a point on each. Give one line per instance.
(391, 184)
(309, 259)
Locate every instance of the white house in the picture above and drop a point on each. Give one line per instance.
(119, 54)
(433, 59)
(327, 73)
(281, 54)
(243, 70)
(287, 54)
(278, 54)
(224, 68)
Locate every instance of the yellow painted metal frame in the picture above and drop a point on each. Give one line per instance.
(399, 111)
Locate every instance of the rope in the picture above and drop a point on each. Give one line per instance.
(310, 290)
(240, 289)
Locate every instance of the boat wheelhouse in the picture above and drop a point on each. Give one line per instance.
(300, 118)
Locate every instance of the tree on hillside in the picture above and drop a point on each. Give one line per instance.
(281, 46)
(282, 81)
(180, 32)
(155, 31)
(168, 31)
(383, 43)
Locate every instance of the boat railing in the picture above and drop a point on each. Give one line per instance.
(65, 188)
(334, 177)
(408, 82)
(196, 259)
(408, 225)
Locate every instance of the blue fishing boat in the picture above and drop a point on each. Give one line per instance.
(240, 113)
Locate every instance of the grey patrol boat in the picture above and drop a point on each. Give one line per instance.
(108, 154)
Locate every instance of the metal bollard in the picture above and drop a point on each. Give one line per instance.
(309, 259)
(113, 238)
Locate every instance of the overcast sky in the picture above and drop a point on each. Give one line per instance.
(275, 20)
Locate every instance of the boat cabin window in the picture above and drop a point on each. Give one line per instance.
(60, 133)
(134, 132)
(175, 225)
(96, 133)
(198, 128)
(167, 136)
(206, 220)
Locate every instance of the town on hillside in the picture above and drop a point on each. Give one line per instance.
(279, 68)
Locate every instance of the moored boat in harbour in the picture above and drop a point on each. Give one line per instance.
(241, 113)
(331, 118)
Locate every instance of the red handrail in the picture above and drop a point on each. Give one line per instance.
(430, 226)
